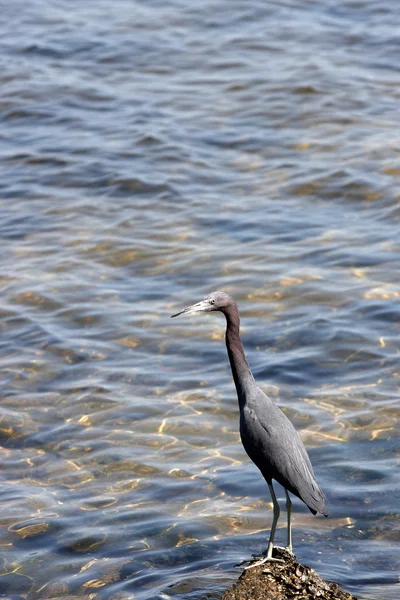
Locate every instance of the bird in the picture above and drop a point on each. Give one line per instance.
(268, 436)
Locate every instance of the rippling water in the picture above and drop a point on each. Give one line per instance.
(152, 152)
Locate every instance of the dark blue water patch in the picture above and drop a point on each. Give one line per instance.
(355, 357)
(361, 475)
(371, 451)
(89, 100)
(14, 583)
(136, 186)
(50, 437)
(295, 371)
(262, 226)
(361, 483)
(195, 358)
(305, 335)
(380, 578)
(182, 560)
(92, 176)
(36, 159)
(241, 481)
(191, 587)
(386, 311)
(231, 140)
(170, 487)
(57, 48)
(10, 493)
(28, 116)
(18, 334)
(373, 514)
(20, 227)
(360, 259)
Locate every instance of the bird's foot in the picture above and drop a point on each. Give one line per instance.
(254, 557)
(257, 561)
(261, 560)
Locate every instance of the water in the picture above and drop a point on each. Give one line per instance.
(151, 153)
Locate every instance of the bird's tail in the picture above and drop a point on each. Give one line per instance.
(316, 500)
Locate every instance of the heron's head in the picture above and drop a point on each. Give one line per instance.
(212, 302)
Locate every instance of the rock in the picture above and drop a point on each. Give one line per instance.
(287, 580)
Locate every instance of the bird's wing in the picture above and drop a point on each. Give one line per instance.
(299, 479)
(286, 456)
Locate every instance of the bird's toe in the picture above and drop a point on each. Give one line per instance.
(262, 561)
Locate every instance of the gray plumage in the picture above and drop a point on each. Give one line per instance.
(274, 445)
(268, 436)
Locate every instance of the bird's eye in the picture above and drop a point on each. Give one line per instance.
(212, 301)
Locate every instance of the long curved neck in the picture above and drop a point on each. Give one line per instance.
(242, 375)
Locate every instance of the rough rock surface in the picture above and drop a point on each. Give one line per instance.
(287, 580)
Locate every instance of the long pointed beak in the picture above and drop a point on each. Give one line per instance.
(202, 306)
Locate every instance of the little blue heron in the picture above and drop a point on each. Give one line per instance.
(268, 436)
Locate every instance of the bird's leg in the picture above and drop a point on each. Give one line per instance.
(268, 556)
(288, 547)
(289, 522)
(274, 521)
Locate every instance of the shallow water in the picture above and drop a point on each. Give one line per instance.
(153, 152)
